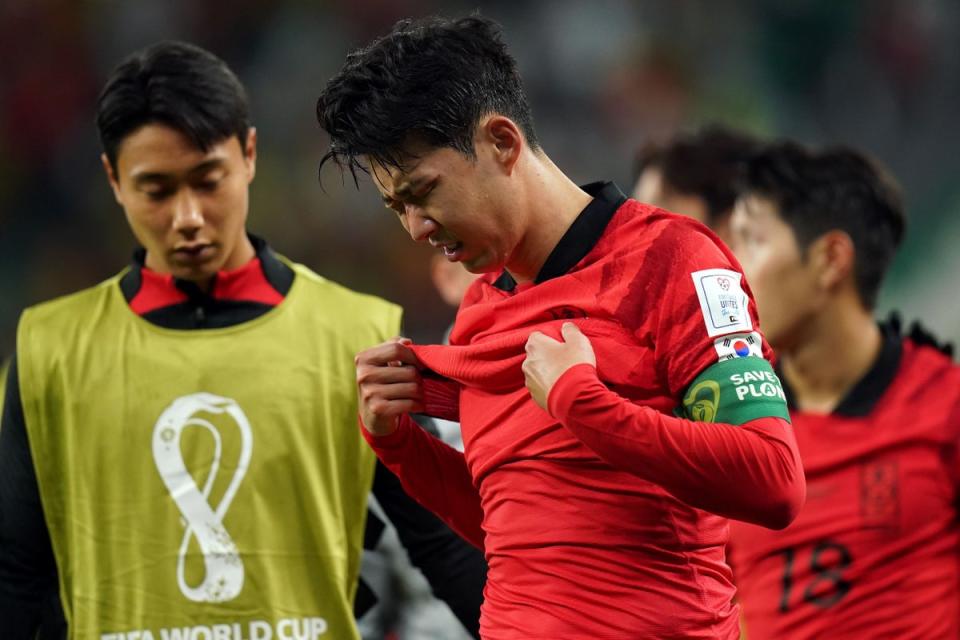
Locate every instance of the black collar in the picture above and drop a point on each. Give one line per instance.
(279, 275)
(201, 310)
(864, 395)
(580, 238)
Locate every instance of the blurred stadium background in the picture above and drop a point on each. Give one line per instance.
(603, 78)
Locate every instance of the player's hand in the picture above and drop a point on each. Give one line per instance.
(547, 359)
(388, 384)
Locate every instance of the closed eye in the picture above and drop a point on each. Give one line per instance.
(417, 198)
(208, 185)
(158, 194)
(424, 191)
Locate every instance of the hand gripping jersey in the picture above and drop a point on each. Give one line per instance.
(206, 483)
(874, 552)
(577, 548)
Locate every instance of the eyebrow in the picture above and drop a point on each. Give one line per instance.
(405, 190)
(159, 176)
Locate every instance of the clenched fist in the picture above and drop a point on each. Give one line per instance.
(547, 359)
(389, 385)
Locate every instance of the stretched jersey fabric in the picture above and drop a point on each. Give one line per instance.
(224, 524)
(874, 553)
(577, 548)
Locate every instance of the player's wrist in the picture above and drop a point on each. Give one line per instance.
(563, 393)
(379, 427)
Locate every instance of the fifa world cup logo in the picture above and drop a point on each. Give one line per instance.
(223, 568)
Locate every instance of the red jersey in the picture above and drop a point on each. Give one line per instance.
(577, 548)
(874, 553)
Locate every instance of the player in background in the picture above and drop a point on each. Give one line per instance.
(874, 552)
(695, 174)
(605, 515)
(178, 452)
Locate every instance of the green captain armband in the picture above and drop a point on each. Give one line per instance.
(734, 392)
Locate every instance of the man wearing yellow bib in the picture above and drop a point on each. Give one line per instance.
(179, 455)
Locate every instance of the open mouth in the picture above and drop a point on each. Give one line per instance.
(452, 251)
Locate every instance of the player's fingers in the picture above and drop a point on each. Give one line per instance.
(373, 374)
(579, 342)
(532, 371)
(537, 339)
(572, 333)
(385, 408)
(400, 391)
(527, 368)
(391, 351)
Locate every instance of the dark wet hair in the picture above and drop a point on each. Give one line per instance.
(429, 80)
(834, 188)
(176, 84)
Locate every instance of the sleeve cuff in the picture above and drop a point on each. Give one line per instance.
(565, 390)
(390, 442)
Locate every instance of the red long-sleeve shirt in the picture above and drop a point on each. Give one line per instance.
(874, 552)
(593, 521)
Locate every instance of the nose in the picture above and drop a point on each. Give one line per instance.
(419, 226)
(187, 214)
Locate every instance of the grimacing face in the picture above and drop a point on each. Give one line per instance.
(186, 207)
(784, 283)
(459, 205)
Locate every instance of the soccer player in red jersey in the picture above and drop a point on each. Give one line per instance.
(605, 515)
(874, 552)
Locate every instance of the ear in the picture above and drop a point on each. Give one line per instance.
(250, 153)
(111, 178)
(503, 137)
(834, 257)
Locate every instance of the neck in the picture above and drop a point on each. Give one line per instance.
(837, 349)
(552, 202)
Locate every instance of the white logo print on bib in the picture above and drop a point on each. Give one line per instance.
(223, 579)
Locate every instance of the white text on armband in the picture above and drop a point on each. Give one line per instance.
(757, 384)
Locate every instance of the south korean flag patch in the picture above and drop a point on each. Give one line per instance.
(738, 345)
(722, 301)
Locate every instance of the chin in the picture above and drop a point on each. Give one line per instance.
(482, 265)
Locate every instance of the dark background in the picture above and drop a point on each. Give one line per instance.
(603, 77)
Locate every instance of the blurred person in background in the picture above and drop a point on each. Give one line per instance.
(568, 503)
(695, 174)
(874, 552)
(179, 451)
